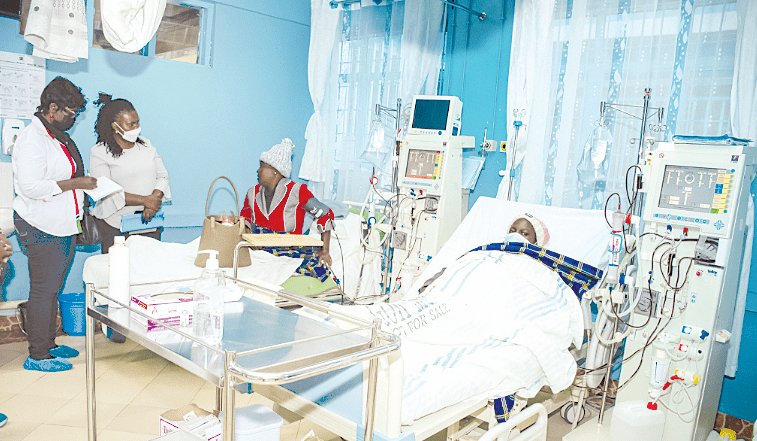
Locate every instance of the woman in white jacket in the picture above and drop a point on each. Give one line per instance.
(48, 176)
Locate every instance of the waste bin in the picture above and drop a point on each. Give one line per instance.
(72, 313)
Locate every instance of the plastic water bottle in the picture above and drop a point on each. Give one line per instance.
(118, 272)
(207, 314)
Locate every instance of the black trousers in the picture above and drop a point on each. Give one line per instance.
(49, 258)
(108, 234)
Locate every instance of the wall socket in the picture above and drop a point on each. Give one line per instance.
(490, 145)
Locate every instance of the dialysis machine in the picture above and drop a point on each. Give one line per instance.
(689, 254)
(429, 185)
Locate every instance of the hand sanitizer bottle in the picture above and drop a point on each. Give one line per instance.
(207, 315)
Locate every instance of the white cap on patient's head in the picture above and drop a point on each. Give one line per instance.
(280, 157)
(542, 233)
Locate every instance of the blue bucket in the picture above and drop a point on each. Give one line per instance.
(72, 313)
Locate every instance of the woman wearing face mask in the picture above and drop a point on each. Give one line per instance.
(48, 176)
(130, 161)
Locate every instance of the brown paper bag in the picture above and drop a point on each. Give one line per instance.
(222, 233)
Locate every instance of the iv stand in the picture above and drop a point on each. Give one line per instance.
(517, 124)
(388, 253)
(638, 201)
(645, 114)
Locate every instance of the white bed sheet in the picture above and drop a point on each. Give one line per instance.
(155, 261)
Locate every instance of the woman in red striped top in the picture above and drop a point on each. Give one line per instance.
(279, 204)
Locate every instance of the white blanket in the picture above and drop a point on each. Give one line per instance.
(494, 323)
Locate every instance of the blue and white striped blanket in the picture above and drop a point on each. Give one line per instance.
(492, 324)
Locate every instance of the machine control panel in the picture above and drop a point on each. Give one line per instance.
(424, 164)
(692, 185)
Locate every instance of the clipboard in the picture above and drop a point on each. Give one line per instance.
(133, 222)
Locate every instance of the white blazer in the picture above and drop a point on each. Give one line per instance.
(39, 162)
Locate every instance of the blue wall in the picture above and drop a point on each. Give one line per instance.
(475, 70)
(205, 121)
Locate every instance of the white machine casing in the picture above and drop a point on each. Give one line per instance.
(704, 306)
(693, 318)
(430, 208)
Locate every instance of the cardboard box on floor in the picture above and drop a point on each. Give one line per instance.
(170, 419)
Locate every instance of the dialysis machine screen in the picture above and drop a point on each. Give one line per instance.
(697, 189)
(430, 114)
(423, 164)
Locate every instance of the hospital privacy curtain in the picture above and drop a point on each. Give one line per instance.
(600, 50)
(367, 69)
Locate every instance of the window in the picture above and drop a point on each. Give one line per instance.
(183, 34)
(369, 62)
(610, 51)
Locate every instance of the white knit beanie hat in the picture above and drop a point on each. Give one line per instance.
(542, 234)
(280, 157)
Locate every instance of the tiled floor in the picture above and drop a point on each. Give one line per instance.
(133, 388)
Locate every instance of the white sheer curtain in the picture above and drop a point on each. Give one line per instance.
(532, 34)
(323, 32)
(744, 125)
(421, 49)
(611, 51)
(367, 67)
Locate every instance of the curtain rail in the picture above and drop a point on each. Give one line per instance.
(481, 15)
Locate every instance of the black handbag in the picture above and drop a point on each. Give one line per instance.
(89, 234)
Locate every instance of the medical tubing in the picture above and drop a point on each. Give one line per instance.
(655, 332)
(615, 339)
(680, 414)
(605, 210)
(607, 379)
(652, 336)
(341, 255)
(649, 287)
(592, 353)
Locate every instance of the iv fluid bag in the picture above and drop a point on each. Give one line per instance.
(594, 162)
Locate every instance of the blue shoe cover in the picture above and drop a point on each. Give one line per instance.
(3, 419)
(116, 337)
(64, 351)
(50, 365)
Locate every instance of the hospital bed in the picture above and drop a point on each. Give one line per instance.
(409, 409)
(155, 261)
(335, 400)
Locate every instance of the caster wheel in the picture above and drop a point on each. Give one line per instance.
(569, 414)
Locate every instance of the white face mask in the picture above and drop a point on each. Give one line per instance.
(131, 135)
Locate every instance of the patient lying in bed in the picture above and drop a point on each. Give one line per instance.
(526, 225)
(495, 322)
